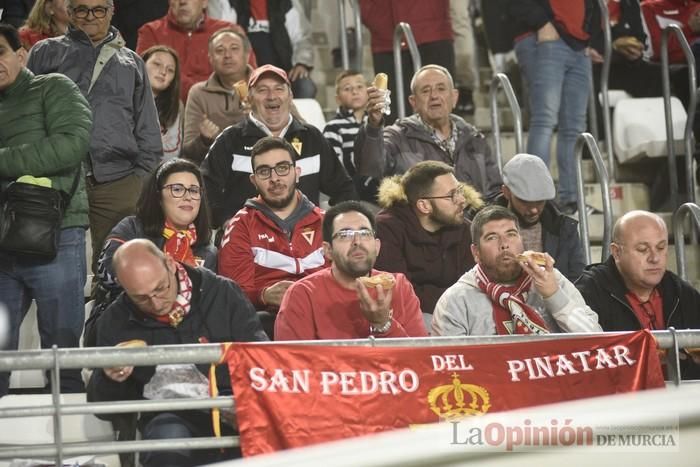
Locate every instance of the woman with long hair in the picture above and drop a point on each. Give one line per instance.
(48, 18)
(163, 68)
(171, 212)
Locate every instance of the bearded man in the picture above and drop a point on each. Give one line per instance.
(335, 303)
(508, 294)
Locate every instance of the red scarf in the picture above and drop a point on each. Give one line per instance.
(182, 305)
(178, 243)
(510, 312)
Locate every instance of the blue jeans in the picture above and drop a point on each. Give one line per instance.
(57, 286)
(558, 82)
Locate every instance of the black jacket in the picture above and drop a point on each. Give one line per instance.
(531, 15)
(604, 291)
(560, 239)
(227, 168)
(220, 312)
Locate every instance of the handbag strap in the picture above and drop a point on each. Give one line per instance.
(74, 186)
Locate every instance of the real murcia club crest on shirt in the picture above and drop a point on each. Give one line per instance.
(309, 234)
(296, 144)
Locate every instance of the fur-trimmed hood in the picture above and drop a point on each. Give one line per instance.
(391, 192)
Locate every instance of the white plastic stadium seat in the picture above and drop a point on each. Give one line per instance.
(639, 128)
(311, 111)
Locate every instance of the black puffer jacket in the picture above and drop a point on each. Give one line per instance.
(604, 291)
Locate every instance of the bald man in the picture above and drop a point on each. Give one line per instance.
(164, 303)
(633, 290)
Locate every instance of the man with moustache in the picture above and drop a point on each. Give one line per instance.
(528, 190)
(423, 230)
(276, 238)
(633, 290)
(214, 104)
(227, 166)
(502, 295)
(333, 303)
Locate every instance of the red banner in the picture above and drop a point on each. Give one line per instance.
(295, 395)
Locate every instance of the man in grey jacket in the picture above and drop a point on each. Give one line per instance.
(125, 142)
(431, 133)
(504, 294)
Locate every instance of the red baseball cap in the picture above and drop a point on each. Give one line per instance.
(258, 72)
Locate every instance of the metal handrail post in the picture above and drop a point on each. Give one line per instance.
(403, 30)
(693, 210)
(344, 55)
(604, 81)
(56, 399)
(586, 139)
(592, 115)
(500, 80)
(358, 34)
(692, 104)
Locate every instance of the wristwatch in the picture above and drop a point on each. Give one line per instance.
(381, 330)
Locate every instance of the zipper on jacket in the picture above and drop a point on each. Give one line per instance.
(675, 307)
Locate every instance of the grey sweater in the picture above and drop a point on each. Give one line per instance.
(464, 310)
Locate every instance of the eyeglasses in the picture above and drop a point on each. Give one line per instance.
(178, 190)
(454, 195)
(82, 12)
(264, 172)
(347, 235)
(159, 293)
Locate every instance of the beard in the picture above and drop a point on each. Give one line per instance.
(503, 272)
(443, 218)
(282, 202)
(354, 268)
(523, 222)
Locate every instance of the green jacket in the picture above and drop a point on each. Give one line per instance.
(45, 125)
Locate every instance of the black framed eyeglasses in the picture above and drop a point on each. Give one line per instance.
(453, 195)
(347, 235)
(178, 190)
(282, 168)
(82, 12)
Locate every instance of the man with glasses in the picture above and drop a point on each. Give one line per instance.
(168, 303)
(507, 294)
(633, 289)
(227, 167)
(333, 303)
(528, 190)
(125, 142)
(433, 132)
(276, 238)
(423, 229)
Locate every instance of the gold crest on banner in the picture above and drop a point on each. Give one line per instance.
(458, 400)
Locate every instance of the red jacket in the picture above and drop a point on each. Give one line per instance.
(29, 37)
(255, 252)
(659, 13)
(429, 20)
(192, 47)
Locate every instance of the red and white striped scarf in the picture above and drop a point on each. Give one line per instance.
(510, 312)
(181, 306)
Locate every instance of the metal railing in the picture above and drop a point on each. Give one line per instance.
(344, 54)
(501, 81)
(56, 359)
(587, 140)
(687, 209)
(403, 30)
(604, 79)
(692, 104)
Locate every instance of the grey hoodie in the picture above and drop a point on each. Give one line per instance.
(464, 310)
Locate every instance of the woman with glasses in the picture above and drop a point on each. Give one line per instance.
(172, 213)
(48, 18)
(163, 67)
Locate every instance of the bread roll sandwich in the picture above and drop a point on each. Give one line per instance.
(539, 258)
(384, 279)
(381, 81)
(241, 88)
(133, 343)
